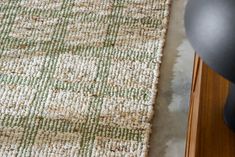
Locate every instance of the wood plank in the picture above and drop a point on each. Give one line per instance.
(208, 136)
(194, 108)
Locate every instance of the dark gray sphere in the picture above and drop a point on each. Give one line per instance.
(210, 27)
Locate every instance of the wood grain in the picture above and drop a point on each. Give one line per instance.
(208, 136)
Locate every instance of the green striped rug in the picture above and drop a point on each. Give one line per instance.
(78, 77)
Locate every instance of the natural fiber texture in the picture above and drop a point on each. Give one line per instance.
(77, 77)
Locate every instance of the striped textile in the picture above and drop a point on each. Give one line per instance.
(78, 77)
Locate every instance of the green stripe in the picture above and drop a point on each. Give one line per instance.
(67, 126)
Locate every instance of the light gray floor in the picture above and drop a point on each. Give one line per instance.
(171, 107)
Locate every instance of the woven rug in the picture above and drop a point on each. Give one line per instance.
(78, 77)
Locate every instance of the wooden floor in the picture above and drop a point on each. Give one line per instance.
(208, 136)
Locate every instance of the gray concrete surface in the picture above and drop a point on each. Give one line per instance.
(172, 103)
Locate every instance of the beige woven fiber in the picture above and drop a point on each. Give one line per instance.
(78, 77)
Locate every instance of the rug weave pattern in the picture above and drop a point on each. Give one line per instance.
(78, 77)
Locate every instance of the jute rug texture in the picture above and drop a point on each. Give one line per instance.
(78, 77)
